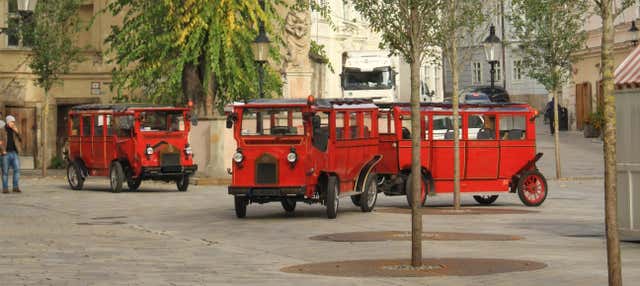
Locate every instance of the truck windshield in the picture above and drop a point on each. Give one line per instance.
(380, 78)
(272, 121)
(161, 121)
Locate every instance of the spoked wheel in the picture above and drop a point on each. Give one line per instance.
(240, 204)
(116, 176)
(183, 183)
(74, 177)
(485, 199)
(356, 200)
(532, 188)
(370, 193)
(333, 199)
(289, 205)
(426, 184)
(134, 183)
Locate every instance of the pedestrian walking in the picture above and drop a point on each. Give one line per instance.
(10, 158)
(548, 113)
(3, 145)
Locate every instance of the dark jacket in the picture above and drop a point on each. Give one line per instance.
(3, 141)
(16, 140)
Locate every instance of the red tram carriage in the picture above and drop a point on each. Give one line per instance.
(295, 150)
(129, 142)
(497, 151)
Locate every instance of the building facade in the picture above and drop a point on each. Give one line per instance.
(89, 81)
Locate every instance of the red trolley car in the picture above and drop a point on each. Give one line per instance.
(497, 151)
(295, 150)
(129, 142)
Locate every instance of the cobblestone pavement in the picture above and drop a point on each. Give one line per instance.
(54, 236)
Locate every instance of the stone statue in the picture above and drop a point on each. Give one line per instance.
(297, 25)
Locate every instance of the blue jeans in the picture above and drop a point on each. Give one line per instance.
(10, 160)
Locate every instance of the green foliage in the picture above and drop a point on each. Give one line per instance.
(57, 163)
(550, 32)
(52, 39)
(596, 119)
(319, 54)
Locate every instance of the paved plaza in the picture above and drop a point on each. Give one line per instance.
(54, 236)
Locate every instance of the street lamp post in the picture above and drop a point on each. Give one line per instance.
(260, 49)
(491, 46)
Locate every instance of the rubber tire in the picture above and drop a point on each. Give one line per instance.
(134, 184)
(240, 204)
(183, 183)
(521, 188)
(117, 181)
(408, 193)
(332, 197)
(73, 167)
(485, 201)
(289, 205)
(355, 199)
(370, 189)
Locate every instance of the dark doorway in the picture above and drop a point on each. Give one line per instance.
(61, 132)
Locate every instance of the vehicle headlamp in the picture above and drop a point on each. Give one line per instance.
(292, 157)
(188, 150)
(238, 157)
(149, 151)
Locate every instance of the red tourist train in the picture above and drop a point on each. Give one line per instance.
(294, 150)
(497, 151)
(129, 142)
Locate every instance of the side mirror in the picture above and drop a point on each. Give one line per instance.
(194, 121)
(342, 83)
(231, 118)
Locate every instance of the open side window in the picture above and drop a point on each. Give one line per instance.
(513, 127)
(320, 123)
(481, 127)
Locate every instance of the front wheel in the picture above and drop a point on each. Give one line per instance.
(370, 193)
(183, 183)
(240, 204)
(134, 184)
(74, 176)
(355, 199)
(485, 199)
(116, 175)
(289, 205)
(532, 188)
(332, 197)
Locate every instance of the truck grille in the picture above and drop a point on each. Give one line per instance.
(266, 170)
(170, 159)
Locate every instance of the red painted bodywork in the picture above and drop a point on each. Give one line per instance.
(485, 165)
(342, 158)
(97, 151)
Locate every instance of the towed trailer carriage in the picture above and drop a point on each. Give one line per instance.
(497, 151)
(129, 143)
(311, 151)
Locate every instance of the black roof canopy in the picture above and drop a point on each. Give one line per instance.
(118, 107)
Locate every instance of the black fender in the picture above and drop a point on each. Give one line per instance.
(426, 176)
(530, 165)
(365, 171)
(84, 171)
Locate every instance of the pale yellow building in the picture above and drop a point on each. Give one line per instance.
(89, 82)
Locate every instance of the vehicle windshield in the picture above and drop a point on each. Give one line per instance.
(168, 121)
(272, 121)
(379, 78)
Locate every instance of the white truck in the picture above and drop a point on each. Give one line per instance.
(368, 74)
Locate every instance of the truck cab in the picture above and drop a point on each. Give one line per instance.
(368, 75)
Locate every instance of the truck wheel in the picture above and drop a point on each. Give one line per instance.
(532, 188)
(332, 197)
(485, 199)
(289, 205)
(370, 193)
(356, 200)
(240, 204)
(134, 184)
(423, 192)
(183, 183)
(74, 176)
(116, 176)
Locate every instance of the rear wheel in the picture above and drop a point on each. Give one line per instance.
(116, 176)
(423, 190)
(289, 205)
(74, 176)
(240, 204)
(485, 199)
(183, 183)
(370, 193)
(134, 183)
(332, 197)
(532, 188)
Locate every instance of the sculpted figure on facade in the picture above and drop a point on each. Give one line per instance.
(298, 42)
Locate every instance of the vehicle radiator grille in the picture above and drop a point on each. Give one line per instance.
(266, 173)
(170, 159)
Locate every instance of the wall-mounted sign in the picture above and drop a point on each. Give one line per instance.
(95, 88)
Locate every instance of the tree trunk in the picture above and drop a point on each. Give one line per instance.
(416, 164)
(556, 134)
(456, 123)
(44, 126)
(614, 264)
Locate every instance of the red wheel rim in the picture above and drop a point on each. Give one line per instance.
(534, 189)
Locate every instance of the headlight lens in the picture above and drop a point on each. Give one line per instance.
(149, 151)
(238, 157)
(188, 150)
(292, 157)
